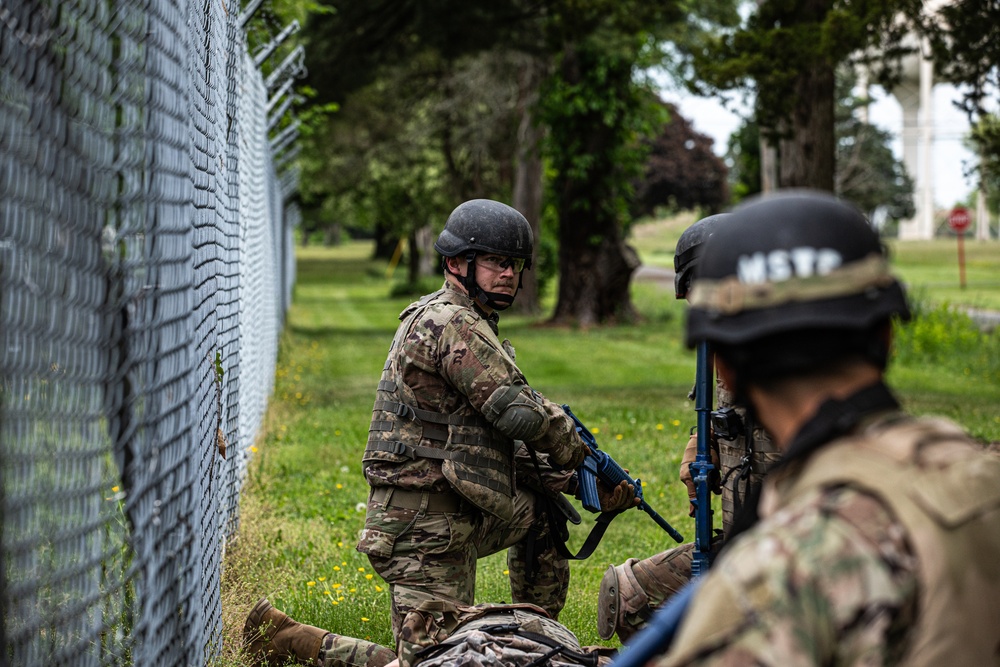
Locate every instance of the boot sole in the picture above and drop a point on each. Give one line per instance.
(254, 621)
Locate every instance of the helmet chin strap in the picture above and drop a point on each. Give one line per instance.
(494, 300)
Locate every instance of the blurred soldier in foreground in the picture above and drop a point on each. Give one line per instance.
(453, 419)
(742, 452)
(878, 538)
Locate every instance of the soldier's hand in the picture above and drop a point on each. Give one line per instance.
(621, 497)
(714, 476)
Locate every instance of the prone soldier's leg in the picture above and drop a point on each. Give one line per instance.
(631, 592)
(341, 651)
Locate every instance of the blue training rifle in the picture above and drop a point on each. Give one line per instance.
(600, 466)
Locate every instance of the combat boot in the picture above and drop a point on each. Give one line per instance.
(272, 637)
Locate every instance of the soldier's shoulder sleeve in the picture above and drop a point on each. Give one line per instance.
(422, 344)
(473, 359)
(807, 586)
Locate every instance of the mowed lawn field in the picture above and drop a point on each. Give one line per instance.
(303, 501)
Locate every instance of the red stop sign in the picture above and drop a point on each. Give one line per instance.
(959, 219)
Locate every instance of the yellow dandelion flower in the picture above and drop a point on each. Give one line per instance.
(253, 449)
(361, 569)
(676, 422)
(115, 489)
(336, 568)
(619, 436)
(310, 583)
(378, 589)
(659, 427)
(353, 590)
(332, 601)
(339, 485)
(327, 593)
(322, 578)
(343, 562)
(369, 576)
(337, 432)
(340, 544)
(506, 572)
(364, 619)
(595, 430)
(336, 586)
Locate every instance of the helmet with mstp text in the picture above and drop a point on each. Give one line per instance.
(486, 226)
(688, 250)
(795, 260)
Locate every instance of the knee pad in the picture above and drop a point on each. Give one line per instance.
(620, 596)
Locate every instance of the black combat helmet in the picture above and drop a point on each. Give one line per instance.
(688, 250)
(488, 227)
(791, 262)
(485, 226)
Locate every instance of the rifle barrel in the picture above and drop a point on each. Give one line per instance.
(661, 522)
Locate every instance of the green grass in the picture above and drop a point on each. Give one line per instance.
(930, 269)
(303, 502)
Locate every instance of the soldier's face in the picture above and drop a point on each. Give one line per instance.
(493, 276)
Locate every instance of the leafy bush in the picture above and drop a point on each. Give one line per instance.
(948, 337)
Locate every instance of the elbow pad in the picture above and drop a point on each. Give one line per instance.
(517, 412)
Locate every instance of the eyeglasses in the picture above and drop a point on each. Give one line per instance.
(498, 263)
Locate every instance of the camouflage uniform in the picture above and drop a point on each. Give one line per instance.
(632, 591)
(880, 547)
(446, 634)
(341, 651)
(444, 491)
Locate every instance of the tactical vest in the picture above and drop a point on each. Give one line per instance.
(946, 492)
(476, 459)
(743, 462)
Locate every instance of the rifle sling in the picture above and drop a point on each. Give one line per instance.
(558, 533)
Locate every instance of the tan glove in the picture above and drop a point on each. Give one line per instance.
(714, 476)
(621, 497)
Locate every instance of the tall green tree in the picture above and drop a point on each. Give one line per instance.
(597, 108)
(965, 37)
(787, 54)
(867, 172)
(984, 140)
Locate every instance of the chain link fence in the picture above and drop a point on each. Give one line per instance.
(145, 266)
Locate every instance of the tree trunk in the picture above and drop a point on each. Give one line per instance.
(808, 155)
(386, 241)
(332, 234)
(594, 277)
(527, 195)
(768, 164)
(595, 264)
